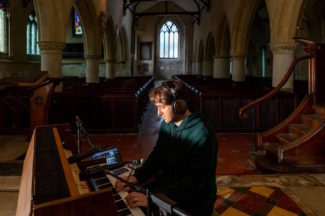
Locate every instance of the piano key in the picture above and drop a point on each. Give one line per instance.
(125, 212)
(120, 204)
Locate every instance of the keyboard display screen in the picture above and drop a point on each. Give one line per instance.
(112, 156)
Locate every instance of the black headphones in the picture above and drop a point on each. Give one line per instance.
(179, 105)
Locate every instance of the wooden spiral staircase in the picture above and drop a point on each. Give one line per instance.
(298, 143)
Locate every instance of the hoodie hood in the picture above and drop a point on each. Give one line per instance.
(190, 121)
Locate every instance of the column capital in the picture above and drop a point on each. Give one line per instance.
(283, 48)
(51, 47)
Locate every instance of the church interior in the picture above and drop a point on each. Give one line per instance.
(84, 68)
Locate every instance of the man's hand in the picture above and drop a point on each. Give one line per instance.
(121, 186)
(135, 199)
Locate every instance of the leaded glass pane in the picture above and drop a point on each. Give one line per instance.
(166, 45)
(176, 45)
(77, 24)
(33, 39)
(169, 40)
(263, 62)
(37, 46)
(171, 44)
(3, 31)
(161, 44)
(28, 32)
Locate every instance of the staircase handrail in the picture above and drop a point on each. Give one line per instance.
(274, 91)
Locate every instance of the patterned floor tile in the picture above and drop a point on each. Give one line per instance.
(256, 201)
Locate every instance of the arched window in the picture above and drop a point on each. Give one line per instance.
(77, 24)
(3, 31)
(32, 35)
(169, 40)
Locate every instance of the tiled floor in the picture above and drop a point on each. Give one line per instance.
(256, 200)
(241, 190)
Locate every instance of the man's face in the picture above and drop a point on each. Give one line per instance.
(166, 112)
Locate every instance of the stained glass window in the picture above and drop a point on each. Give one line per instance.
(32, 47)
(263, 62)
(77, 24)
(3, 31)
(169, 40)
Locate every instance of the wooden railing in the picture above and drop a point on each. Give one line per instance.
(275, 90)
(220, 100)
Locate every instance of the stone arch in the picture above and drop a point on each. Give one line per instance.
(259, 57)
(283, 25)
(109, 38)
(210, 48)
(90, 26)
(121, 68)
(52, 20)
(53, 17)
(209, 56)
(222, 58)
(241, 25)
(222, 38)
(122, 46)
(30, 8)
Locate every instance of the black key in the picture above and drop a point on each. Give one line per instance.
(114, 191)
(121, 205)
(125, 212)
(103, 186)
(117, 197)
(102, 181)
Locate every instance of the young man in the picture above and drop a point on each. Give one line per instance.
(183, 162)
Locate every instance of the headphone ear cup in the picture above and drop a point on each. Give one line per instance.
(179, 106)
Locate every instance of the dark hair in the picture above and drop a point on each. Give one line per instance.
(163, 93)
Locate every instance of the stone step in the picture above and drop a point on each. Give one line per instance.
(286, 138)
(313, 120)
(319, 109)
(299, 129)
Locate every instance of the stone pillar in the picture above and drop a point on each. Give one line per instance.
(92, 68)
(283, 55)
(198, 68)
(109, 69)
(238, 68)
(221, 67)
(51, 58)
(207, 68)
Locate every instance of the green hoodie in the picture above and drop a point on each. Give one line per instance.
(184, 161)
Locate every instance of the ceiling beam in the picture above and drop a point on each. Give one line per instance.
(132, 5)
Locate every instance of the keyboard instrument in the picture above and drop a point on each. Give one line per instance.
(51, 186)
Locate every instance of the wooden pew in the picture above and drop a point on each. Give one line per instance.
(109, 106)
(220, 100)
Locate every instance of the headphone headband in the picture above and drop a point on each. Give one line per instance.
(178, 105)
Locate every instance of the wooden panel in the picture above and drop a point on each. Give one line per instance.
(99, 203)
(67, 172)
(24, 204)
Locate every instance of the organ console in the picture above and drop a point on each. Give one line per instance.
(51, 186)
